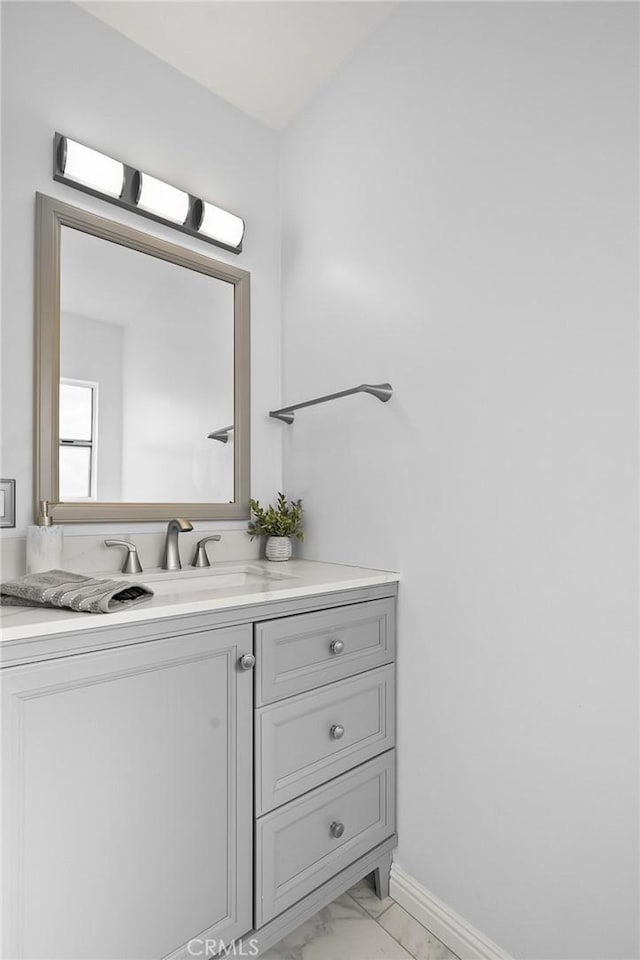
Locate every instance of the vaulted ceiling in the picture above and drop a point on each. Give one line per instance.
(267, 58)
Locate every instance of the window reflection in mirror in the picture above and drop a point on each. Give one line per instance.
(146, 373)
(78, 418)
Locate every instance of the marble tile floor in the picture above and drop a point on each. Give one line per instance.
(358, 926)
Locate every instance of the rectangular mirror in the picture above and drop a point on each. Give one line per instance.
(142, 352)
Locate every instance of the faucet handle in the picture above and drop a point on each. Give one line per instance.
(200, 558)
(132, 562)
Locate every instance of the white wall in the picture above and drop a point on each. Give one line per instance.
(460, 218)
(460, 212)
(178, 378)
(64, 70)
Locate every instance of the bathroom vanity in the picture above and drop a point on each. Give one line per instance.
(215, 764)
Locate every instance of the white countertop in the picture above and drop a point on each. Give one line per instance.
(294, 578)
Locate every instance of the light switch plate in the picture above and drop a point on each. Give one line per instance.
(7, 503)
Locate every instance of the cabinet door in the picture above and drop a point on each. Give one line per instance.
(127, 812)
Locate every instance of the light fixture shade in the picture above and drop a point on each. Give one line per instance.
(161, 199)
(220, 225)
(91, 169)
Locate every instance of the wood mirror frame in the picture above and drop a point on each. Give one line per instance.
(51, 216)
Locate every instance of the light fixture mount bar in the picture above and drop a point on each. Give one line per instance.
(131, 188)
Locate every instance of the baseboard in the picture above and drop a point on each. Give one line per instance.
(453, 930)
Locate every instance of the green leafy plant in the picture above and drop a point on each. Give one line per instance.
(283, 520)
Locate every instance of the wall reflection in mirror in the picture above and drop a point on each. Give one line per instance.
(146, 373)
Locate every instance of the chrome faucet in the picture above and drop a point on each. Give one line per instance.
(171, 555)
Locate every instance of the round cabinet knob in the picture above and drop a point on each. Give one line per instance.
(336, 646)
(336, 829)
(337, 731)
(247, 661)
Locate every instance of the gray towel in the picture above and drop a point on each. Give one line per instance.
(57, 588)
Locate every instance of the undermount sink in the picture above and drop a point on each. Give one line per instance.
(165, 582)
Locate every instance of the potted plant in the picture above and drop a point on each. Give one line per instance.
(278, 524)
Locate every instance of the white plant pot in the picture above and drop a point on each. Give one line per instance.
(278, 548)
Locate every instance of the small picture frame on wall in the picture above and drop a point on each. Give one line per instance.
(7, 503)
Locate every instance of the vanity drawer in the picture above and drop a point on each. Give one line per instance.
(299, 653)
(300, 846)
(309, 739)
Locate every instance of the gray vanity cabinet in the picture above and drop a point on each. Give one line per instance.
(303, 741)
(162, 789)
(127, 798)
(312, 649)
(324, 757)
(303, 844)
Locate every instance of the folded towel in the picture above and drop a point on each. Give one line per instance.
(57, 588)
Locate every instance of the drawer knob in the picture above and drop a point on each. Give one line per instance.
(247, 661)
(337, 731)
(336, 829)
(336, 646)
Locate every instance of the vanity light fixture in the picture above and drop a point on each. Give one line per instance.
(89, 168)
(219, 225)
(160, 198)
(86, 169)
